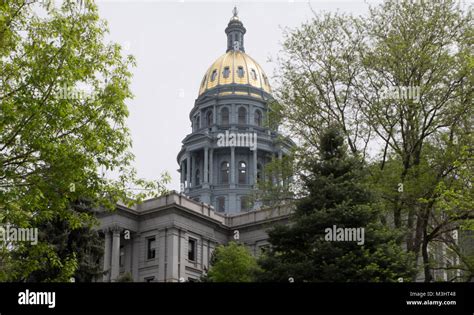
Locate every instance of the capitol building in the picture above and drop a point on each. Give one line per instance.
(171, 238)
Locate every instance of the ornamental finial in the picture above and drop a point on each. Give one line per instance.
(235, 11)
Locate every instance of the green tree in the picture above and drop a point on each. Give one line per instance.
(83, 246)
(232, 263)
(336, 70)
(337, 196)
(57, 144)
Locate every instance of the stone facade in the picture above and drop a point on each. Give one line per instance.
(173, 237)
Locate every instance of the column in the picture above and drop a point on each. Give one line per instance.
(136, 256)
(280, 175)
(182, 171)
(188, 170)
(193, 170)
(211, 166)
(182, 254)
(232, 165)
(214, 115)
(115, 255)
(206, 165)
(255, 167)
(172, 255)
(232, 115)
(107, 247)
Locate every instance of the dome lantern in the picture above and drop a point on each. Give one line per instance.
(235, 33)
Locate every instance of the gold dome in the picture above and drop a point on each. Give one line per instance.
(235, 67)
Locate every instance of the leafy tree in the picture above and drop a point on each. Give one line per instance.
(337, 196)
(57, 143)
(337, 69)
(232, 263)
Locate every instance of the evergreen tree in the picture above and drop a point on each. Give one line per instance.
(78, 250)
(336, 196)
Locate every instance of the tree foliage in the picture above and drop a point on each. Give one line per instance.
(337, 197)
(232, 263)
(398, 84)
(57, 144)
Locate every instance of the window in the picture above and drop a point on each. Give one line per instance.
(242, 172)
(225, 116)
(254, 74)
(122, 256)
(258, 118)
(224, 172)
(209, 118)
(240, 72)
(214, 75)
(220, 204)
(198, 178)
(259, 172)
(265, 79)
(192, 249)
(150, 248)
(242, 115)
(244, 204)
(203, 81)
(197, 124)
(226, 72)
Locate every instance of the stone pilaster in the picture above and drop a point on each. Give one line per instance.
(115, 268)
(107, 255)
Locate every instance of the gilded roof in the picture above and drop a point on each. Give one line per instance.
(234, 67)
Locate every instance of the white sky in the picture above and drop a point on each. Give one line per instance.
(174, 42)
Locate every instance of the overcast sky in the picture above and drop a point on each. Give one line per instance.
(174, 43)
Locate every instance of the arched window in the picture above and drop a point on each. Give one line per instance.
(240, 72)
(259, 172)
(242, 115)
(244, 204)
(225, 116)
(226, 72)
(254, 74)
(214, 75)
(224, 173)
(209, 118)
(242, 172)
(197, 122)
(220, 204)
(198, 178)
(258, 118)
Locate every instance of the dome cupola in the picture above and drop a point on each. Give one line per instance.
(235, 67)
(224, 156)
(235, 33)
